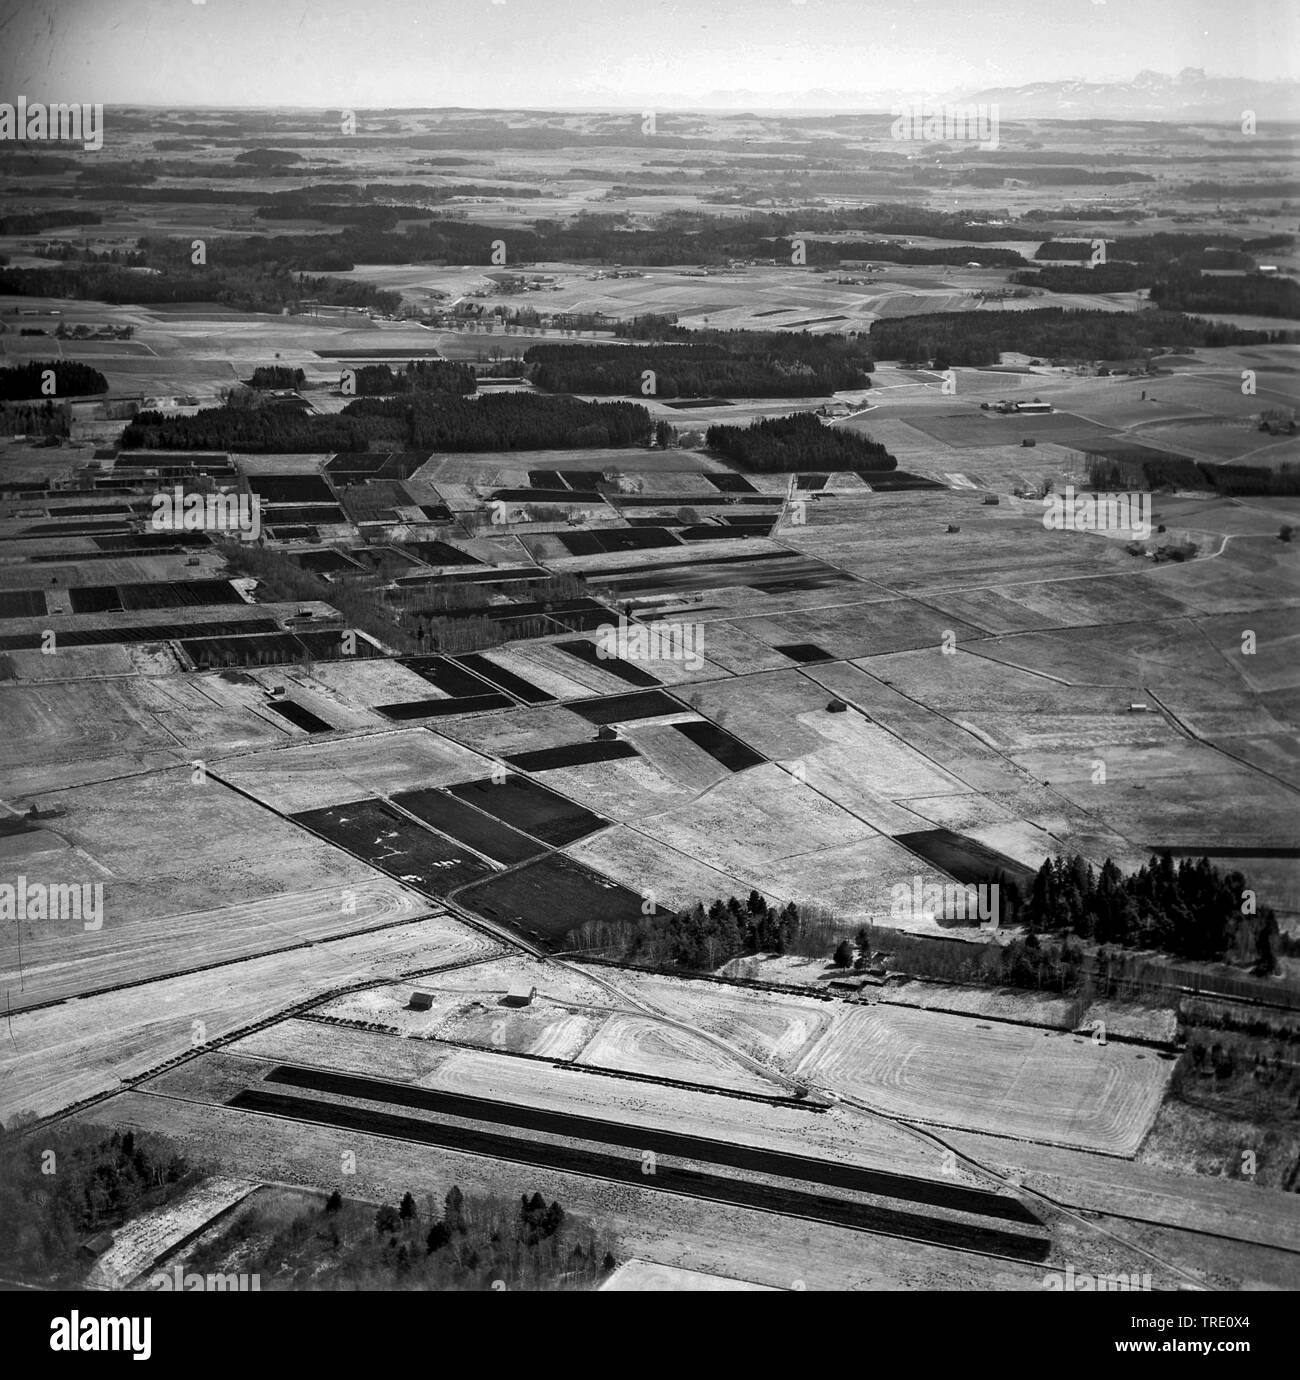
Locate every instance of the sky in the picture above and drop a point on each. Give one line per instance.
(630, 53)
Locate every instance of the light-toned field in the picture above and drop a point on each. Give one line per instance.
(245, 881)
(644, 864)
(1124, 1020)
(313, 775)
(772, 1028)
(1230, 1208)
(544, 1028)
(60, 1054)
(68, 732)
(646, 1277)
(372, 681)
(640, 1044)
(142, 1240)
(1009, 1080)
(523, 730)
(753, 818)
(855, 881)
(674, 754)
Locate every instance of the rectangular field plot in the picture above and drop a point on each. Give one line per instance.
(504, 680)
(632, 1043)
(397, 845)
(72, 1050)
(469, 826)
(961, 857)
(531, 808)
(589, 653)
(617, 709)
(1001, 1079)
(551, 897)
(311, 775)
(571, 755)
(22, 603)
(717, 742)
(441, 708)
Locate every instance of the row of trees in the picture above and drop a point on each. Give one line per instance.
(419, 421)
(268, 287)
(1190, 250)
(699, 939)
(35, 222)
(1150, 472)
(979, 337)
(507, 421)
(797, 444)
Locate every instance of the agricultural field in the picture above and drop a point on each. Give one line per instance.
(1055, 1088)
(433, 903)
(99, 1041)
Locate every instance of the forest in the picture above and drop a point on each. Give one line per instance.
(1189, 909)
(419, 421)
(71, 379)
(957, 254)
(797, 444)
(242, 288)
(979, 337)
(713, 364)
(699, 939)
(508, 421)
(101, 1182)
(37, 222)
(1250, 294)
(419, 376)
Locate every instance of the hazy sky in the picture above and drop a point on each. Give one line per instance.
(367, 53)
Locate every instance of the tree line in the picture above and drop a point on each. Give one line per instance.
(1111, 473)
(418, 376)
(699, 939)
(416, 421)
(797, 444)
(242, 288)
(507, 421)
(71, 379)
(980, 337)
(1190, 910)
(741, 366)
(1249, 294)
(35, 222)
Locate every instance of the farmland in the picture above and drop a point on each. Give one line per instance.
(538, 814)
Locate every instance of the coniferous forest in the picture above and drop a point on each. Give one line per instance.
(419, 421)
(976, 338)
(710, 364)
(797, 444)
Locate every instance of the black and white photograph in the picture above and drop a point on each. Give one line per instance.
(649, 647)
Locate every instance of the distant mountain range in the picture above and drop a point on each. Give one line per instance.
(1191, 95)
(1149, 96)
